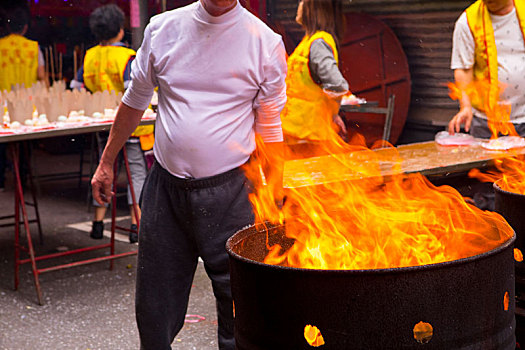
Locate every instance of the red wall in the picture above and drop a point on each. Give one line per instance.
(82, 8)
(71, 8)
(257, 7)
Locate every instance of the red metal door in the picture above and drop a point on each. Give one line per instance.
(375, 65)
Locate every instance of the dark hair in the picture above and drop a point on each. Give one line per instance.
(106, 22)
(325, 15)
(17, 19)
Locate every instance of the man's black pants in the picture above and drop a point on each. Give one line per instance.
(183, 219)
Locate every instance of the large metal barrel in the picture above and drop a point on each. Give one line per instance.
(465, 301)
(512, 207)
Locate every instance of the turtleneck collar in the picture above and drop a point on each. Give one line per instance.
(228, 17)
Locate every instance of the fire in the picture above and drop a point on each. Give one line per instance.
(518, 255)
(510, 169)
(313, 336)
(370, 222)
(482, 93)
(362, 220)
(423, 332)
(510, 174)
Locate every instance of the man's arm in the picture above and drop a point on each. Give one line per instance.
(268, 106)
(462, 61)
(126, 120)
(463, 78)
(274, 169)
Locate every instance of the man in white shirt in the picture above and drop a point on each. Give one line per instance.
(488, 42)
(220, 75)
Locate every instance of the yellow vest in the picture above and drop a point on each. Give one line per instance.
(486, 55)
(308, 113)
(18, 61)
(104, 68)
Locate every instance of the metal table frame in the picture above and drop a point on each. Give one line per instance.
(372, 107)
(21, 211)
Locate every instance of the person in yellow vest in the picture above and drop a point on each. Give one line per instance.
(21, 63)
(488, 46)
(489, 50)
(314, 83)
(107, 66)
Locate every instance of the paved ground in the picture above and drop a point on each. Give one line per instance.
(87, 307)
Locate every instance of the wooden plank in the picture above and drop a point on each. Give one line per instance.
(427, 158)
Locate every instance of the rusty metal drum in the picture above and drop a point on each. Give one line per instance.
(466, 302)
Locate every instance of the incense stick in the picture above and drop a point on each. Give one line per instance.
(46, 65)
(75, 63)
(60, 65)
(52, 64)
(55, 58)
(82, 54)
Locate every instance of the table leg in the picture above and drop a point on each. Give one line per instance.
(130, 182)
(113, 212)
(17, 238)
(20, 203)
(29, 158)
(135, 213)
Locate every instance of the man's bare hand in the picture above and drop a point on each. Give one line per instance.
(101, 183)
(464, 116)
(340, 124)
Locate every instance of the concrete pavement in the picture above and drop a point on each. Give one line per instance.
(86, 307)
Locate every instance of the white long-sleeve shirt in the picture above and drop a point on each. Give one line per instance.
(220, 80)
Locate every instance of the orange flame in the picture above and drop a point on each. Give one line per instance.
(509, 174)
(511, 169)
(313, 336)
(518, 255)
(423, 332)
(369, 222)
(497, 111)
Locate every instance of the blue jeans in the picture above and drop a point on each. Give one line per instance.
(137, 165)
(183, 219)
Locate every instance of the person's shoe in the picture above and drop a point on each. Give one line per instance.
(97, 230)
(133, 234)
